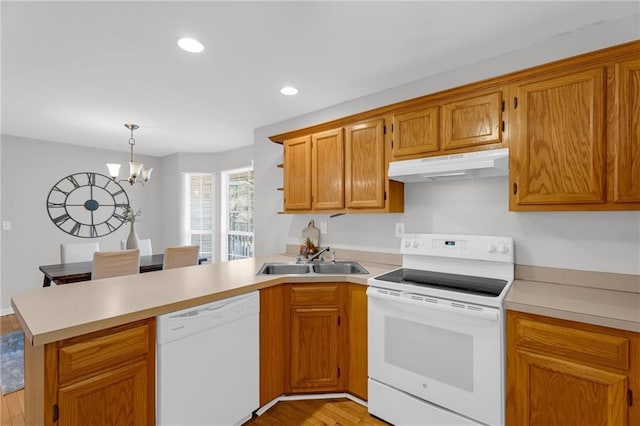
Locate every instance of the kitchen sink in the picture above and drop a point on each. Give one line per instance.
(283, 268)
(338, 268)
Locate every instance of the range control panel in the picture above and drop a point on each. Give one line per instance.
(479, 247)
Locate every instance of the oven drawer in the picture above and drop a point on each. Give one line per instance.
(581, 345)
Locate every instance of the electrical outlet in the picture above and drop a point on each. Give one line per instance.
(399, 230)
(323, 227)
(6, 225)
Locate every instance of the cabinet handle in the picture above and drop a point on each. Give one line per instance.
(515, 102)
(629, 397)
(515, 188)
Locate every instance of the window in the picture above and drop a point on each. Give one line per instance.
(237, 214)
(199, 214)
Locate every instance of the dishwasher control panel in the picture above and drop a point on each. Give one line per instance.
(176, 325)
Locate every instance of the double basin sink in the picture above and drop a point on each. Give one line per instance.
(338, 268)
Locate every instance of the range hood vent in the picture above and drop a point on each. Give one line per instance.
(493, 162)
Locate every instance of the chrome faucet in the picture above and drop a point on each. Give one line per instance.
(317, 255)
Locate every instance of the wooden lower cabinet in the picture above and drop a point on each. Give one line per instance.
(313, 339)
(102, 378)
(567, 373)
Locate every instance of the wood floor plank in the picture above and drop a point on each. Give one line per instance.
(317, 412)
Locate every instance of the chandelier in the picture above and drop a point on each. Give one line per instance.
(135, 169)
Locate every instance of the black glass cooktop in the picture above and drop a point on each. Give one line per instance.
(461, 283)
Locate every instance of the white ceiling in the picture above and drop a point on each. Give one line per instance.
(74, 72)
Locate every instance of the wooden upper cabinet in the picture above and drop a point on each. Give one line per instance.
(416, 132)
(365, 172)
(472, 121)
(297, 174)
(627, 152)
(559, 147)
(327, 165)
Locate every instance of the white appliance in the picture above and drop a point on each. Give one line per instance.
(437, 332)
(487, 163)
(208, 363)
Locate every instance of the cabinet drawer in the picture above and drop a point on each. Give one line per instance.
(314, 295)
(79, 358)
(581, 345)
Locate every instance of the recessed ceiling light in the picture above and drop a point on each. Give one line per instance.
(190, 45)
(289, 91)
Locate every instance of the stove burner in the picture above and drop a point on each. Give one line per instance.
(460, 283)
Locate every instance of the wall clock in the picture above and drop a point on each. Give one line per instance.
(87, 205)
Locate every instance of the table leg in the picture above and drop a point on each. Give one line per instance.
(46, 282)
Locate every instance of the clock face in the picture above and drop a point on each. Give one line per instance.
(87, 205)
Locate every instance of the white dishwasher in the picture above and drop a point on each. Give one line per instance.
(208, 363)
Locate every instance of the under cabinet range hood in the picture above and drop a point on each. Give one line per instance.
(488, 163)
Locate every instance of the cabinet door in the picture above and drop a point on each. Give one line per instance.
(559, 150)
(416, 132)
(553, 391)
(117, 397)
(297, 174)
(327, 164)
(472, 121)
(314, 349)
(357, 340)
(273, 311)
(627, 153)
(365, 174)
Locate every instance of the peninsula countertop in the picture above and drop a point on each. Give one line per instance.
(59, 312)
(54, 313)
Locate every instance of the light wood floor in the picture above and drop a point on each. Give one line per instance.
(316, 412)
(12, 404)
(285, 413)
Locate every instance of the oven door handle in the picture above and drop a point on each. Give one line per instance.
(490, 314)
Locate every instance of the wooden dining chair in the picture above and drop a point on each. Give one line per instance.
(115, 263)
(179, 256)
(78, 252)
(144, 245)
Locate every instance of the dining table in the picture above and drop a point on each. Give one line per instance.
(65, 273)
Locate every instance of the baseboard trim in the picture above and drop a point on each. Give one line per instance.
(6, 311)
(273, 402)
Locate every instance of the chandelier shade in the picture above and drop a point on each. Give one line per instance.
(135, 169)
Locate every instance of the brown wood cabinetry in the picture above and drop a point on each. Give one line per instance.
(472, 121)
(461, 123)
(365, 172)
(297, 177)
(572, 128)
(313, 339)
(339, 171)
(327, 181)
(416, 132)
(627, 152)
(575, 142)
(106, 377)
(560, 146)
(566, 373)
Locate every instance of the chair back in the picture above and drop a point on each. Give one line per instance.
(144, 245)
(115, 263)
(78, 252)
(179, 256)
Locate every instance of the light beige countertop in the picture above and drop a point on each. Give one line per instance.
(606, 299)
(58, 312)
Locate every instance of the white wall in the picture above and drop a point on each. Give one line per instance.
(171, 196)
(589, 241)
(30, 168)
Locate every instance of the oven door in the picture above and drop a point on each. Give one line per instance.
(443, 352)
